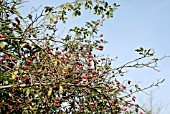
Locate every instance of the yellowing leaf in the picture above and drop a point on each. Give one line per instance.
(73, 15)
(91, 103)
(137, 88)
(50, 91)
(1, 45)
(24, 44)
(8, 52)
(61, 67)
(60, 89)
(56, 62)
(10, 94)
(14, 74)
(40, 70)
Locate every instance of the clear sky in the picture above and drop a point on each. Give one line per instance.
(136, 23)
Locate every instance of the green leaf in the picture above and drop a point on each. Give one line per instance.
(141, 48)
(62, 5)
(25, 111)
(94, 91)
(15, 10)
(51, 21)
(28, 92)
(6, 82)
(138, 50)
(34, 108)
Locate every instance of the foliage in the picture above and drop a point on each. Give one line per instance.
(41, 73)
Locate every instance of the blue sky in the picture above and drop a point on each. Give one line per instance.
(136, 23)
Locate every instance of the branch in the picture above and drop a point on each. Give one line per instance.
(141, 65)
(24, 85)
(26, 38)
